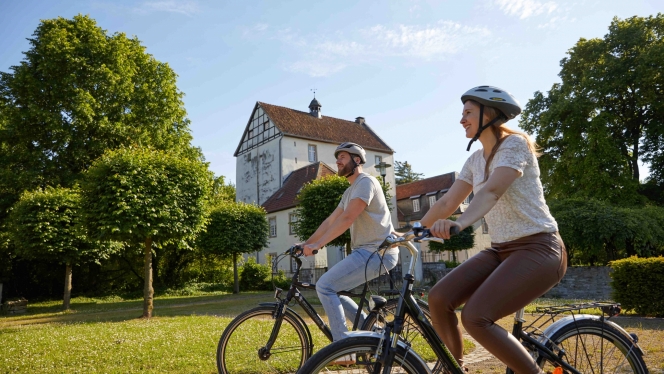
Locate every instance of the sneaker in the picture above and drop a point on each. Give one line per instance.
(346, 360)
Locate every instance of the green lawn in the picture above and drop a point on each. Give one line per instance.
(106, 335)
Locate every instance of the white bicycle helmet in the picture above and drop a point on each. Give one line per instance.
(494, 97)
(353, 149)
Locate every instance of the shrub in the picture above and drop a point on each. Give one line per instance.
(255, 277)
(638, 284)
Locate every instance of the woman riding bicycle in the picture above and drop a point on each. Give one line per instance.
(527, 256)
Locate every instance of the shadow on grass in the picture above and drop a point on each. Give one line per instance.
(84, 312)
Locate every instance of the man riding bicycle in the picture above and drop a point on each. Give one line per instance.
(364, 210)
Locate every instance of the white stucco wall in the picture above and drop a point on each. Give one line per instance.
(257, 173)
(285, 240)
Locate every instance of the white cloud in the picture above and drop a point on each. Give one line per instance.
(525, 8)
(329, 56)
(187, 7)
(427, 42)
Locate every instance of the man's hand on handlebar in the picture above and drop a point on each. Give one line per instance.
(441, 228)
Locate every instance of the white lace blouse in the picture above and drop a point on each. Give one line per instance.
(521, 211)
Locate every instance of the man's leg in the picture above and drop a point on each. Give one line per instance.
(345, 275)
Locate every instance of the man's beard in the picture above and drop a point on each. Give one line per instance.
(347, 169)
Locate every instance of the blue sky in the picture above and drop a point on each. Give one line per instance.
(400, 64)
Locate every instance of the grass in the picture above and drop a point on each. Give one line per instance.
(105, 334)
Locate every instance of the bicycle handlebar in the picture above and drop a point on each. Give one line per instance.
(297, 251)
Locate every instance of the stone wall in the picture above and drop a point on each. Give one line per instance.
(583, 282)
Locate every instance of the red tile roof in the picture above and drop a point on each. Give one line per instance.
(424, 186)
(327, 129)
(286, 196)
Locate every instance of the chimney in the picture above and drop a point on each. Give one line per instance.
(359, 120)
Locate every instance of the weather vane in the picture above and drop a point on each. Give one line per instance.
(314, 91)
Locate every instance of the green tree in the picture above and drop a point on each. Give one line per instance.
(404, 173)
(317, 200)
(605, 116)
(464, 240)
(596, 232)
(44, 224)
(222, 191)
(78, 92)
(144, 197)
(235, 228)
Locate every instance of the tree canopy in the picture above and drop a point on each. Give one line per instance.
(78, 92)
(235, 228)
(605, 116)
(44, 224)
(317, 200)
(404, 173)
(596, 232)
(141, 196)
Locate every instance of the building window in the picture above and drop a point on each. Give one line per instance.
(273, 227)
(292, 218)
(485, 226)
(379, 159)
(312, 153)
(432, 200)
(416, 205)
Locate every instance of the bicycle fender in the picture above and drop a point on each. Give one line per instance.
(297, 316)
(549, 331)
(377, 335)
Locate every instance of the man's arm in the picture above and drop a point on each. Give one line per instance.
(336, 226)
(324, 226)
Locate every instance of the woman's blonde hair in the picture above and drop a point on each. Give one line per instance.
(501, 132)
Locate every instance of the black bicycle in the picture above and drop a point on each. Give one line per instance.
(274, 338)
(577, 343)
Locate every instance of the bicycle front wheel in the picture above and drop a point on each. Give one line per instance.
(411, 331)
(242, 347)
(592, 346)
(362, 349)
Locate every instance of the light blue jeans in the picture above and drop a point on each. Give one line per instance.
(349, 273)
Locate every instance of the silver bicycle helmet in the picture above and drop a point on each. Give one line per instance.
(495, 98)
(353, 149)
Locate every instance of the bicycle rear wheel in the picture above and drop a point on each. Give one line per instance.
(364, 349)
(592, 346)
(242, 349)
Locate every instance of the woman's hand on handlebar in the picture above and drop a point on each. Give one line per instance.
(441, 228)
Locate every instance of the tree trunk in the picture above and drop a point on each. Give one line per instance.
(148, 291)
(236, 280)
(67, 298)
(0, 293)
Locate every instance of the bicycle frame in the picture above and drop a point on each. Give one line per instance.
(294, 293)
(407, 303)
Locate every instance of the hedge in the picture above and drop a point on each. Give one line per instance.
(638, 284)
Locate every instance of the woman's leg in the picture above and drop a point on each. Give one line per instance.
(524, 275)
(452, 291)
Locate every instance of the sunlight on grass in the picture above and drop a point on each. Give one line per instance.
(179, 344)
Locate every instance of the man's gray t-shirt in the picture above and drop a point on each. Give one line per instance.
(374, 224)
